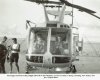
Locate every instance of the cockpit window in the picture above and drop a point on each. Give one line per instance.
(39, 45)
(39, 42)
(59, 42)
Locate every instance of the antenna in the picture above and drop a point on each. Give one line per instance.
(72, 13)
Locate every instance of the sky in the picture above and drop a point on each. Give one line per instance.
(14, 13)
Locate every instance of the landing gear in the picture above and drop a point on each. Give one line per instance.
(72, 69)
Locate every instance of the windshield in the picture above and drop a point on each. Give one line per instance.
(38, 41)
(59, 41)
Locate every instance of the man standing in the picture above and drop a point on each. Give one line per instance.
(2, 58)
(3, 52)
(4, 41)
(15, 49)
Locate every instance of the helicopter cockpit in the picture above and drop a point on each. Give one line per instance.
(38, 40)
(55, 41)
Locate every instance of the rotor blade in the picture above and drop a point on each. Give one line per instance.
(44, 1)
(95, 15)
(78, 7)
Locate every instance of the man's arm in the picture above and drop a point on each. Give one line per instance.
(19, 48)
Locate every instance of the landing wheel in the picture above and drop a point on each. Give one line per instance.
(73, 69)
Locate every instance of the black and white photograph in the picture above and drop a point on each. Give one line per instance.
(49, 37)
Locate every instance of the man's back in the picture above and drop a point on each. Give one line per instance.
(2, 51)
(4, 43)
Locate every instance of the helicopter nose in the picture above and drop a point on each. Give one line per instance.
(48, 58)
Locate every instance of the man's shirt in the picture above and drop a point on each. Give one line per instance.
(15, 48)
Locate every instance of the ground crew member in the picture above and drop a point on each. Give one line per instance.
(3, 52)
(15, 49)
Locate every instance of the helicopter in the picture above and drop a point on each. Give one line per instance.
(54, 45)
